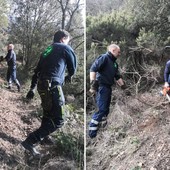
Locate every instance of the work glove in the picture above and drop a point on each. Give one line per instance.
(126, 91)
(94, 85)
(67, 79)
(123, 87)
(1, 58)
(30, 94)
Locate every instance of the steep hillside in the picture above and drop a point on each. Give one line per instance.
(18, 117)
(136, 137)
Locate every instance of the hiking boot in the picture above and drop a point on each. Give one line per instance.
(103, 122)
(47, 141)
(93, 128)
(92, 133)
(28, 146)
(19, 88)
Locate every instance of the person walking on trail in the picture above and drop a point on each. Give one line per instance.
(103, 73)
(167, 74)
(11, 72)
(49, 76)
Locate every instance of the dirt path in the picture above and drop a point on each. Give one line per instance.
(17, 118)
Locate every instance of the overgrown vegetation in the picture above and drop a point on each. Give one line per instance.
(30, 26)
(70, 147)
(130, 138)
(141, 30)
(4, 9)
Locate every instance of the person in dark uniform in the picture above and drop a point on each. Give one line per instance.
(11, 72)
(49, 77)
(167, 74)
(103, 73)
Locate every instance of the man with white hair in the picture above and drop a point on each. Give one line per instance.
(11, 72)
(103, 73)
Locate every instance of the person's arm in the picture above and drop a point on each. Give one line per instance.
(92, 76)
(36, 73)
(119, 79)
(96, 66)
(123, 86)
(71, 61)
(34, 80)
(93, 83)
(8, 56)
(1, 58)
(120, 82)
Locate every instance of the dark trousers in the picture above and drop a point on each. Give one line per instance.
(11, 76)
(103, 102)
(169, 79)
(51, 120)
(103, 99)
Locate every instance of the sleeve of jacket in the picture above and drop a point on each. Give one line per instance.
(35, 75)
(98, 64)
(167, 71)
(118, 75)
(8, 56)
(71, 61)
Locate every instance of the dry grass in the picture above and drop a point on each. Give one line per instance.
(136, 136)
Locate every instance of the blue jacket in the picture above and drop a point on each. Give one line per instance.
(106, 68)
(11, 59)
(53, 62)
(167, 71)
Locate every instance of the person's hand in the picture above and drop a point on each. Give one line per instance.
(94, 87)
(30, 94)
(67, 79)
(123, 87)
(166, 84)
(92, 91)
(1, 58)
(127, 93)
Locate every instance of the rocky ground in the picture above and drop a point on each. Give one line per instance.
(136, 137)
(18, 117)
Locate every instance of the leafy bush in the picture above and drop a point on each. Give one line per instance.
(147, 39)
(71, 147)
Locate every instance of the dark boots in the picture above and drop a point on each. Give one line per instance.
(18, 85)
(30, 147)
(19, 88)
(28, 144)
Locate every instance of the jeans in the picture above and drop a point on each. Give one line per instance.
(11, 76)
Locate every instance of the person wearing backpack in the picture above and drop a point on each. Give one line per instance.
(103, 73)
(49, 77)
